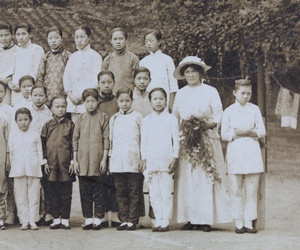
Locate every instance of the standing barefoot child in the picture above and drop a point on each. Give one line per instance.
(160, 149)
(4, 168)
(26, 159)
(81, 71)
(26, 59)
(242, 126)
(160, 65)
(57, 146)
(121, 62)
(125, 161)
(52, 67)
(109, 105)
(90, 150)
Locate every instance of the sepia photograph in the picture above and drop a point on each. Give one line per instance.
(149, 124)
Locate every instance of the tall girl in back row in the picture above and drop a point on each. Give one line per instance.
(81, 71)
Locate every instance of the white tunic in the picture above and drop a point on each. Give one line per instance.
(81, 73)
(26, 62)
(243, 154)
(197, 198)
(125, 142)
(160, 142)
(161, 67)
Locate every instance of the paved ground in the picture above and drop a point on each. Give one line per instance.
(222, 237)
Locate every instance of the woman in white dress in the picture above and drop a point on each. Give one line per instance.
(199, 201)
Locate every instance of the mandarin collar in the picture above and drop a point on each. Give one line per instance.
(137, 92)
(58, 120)
(85, 48)
(156, 52)
(43, 107)
(129, 111)
(26, 45)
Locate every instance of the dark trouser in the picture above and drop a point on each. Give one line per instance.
(92, 196)
(11, 205)
(45, 200)
(128, 190)
(110, 194)
(60, 197)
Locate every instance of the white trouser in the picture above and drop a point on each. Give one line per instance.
(27, 195)
(244, 195)
(160, 190)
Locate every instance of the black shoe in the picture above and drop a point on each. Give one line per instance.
(121, 228)
(55, 226)
(48, 222)
(164, 229)
(2, 227)
(187, 226)
(250, 231)
(115, 224)
(156, 229)
(104, 224)
(41, 221)
(97, 227)
(239, 231)
(65, 227)
(131, 228)
(87, 227)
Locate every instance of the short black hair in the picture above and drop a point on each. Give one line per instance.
(6, 26)
(58, 97)
(86, 29)
(118, 29)
(26, 77)
(90, 92)
(141, 69)
(24, 26)
(39, 86)
(242, 82)
(106, 72)
(24, 111)
(157, 89)
(55, 29)
(124, 90)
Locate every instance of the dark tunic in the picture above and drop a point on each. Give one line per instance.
(90, 139)
(57, 147)
(109, 105)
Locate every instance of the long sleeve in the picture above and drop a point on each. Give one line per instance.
(259, 124)
(173, 84)
(104, 65)
(135, 63)
(41, 71)
(175, 111)
(227, 132)
(175, 137)
(44, 140)
(38, 58)
(216, 107)
(76, 134)
(39, 151)
(144, 139)
(105, 130)
(67, 75)
(10, 146)
(97, 65)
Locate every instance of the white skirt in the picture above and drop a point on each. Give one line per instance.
(196, 198)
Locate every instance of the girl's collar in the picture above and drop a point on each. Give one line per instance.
(121, 52)
(156, 52)
(57, 51)
(129, 111)
(7, 47)
(85, 48)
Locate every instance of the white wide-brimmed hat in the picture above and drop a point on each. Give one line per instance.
(189, 60)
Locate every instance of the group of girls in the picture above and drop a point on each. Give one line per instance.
(120, 131)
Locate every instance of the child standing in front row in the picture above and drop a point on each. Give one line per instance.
(4, 168)
(242, 126)
(90, 150)
(160, 149)
(125, 161)
(109, 105)
(57, 147)
(26, 157)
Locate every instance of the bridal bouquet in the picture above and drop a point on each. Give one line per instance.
(196, 147)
